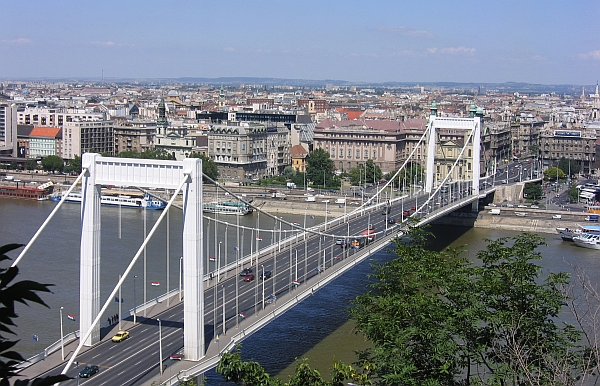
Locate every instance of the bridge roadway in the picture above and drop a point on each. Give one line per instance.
(135, 361)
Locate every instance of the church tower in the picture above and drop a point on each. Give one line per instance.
(222, 99)
(596, 105)
(161, 122)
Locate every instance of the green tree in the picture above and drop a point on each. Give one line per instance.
(233, 369)
(74, 165)
(289, 172)
(409, 175)
(53, 163)
(320, 169)
(551, 174)
(31, 164)
(569, 166)
(299, 179)
(436, 319)
(533, 191)
(209, 167)
(365, 174)
(23, 292)
(573, 193)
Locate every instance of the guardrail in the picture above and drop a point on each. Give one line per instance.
(48, 350)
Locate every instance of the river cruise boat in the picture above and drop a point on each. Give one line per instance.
(227, 207)
(39, 193)
(588, 240)
(568, 234)
(123, 201)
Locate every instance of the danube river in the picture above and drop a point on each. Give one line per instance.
(316, 329)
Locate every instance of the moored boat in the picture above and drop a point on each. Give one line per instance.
(227, 207)
(588, 240)
(40, 193)
(567, 234)
(124, 201)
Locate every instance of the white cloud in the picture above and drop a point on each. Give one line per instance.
(103, 44)
(406, 32)
(452, 50)
(18, 42)
(594, 55)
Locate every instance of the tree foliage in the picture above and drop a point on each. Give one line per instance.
(23, 292)
(551, 174)
(365, 174)
(251, 373)
(320, 169)
(436, 319)
(533, 191)
(411, 174)
(209, 167)
(53, 163)
(74, 165)
(568, 166)
(31, 164)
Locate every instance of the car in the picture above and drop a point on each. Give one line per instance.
(521, 206)
(391, 221)
(556, 217)
(534, 207)
(370, 227)
(557, 196)
(354, 203)
(413, 208)
(246, 271)
(492, 204)
(88, 371)
(406, 213)
(249, 277)
(504, 182)
(261, 195)
(272, 190)
(339, 241)
(120, 336)
(510, 205)
(266, 275)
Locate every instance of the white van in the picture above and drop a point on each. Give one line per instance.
(495, 211)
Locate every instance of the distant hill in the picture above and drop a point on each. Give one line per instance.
(472, 87)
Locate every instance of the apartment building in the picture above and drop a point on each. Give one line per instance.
(88, 137)
(56, 117)
(45, 141)
(8, 128)
(352, 142)
(574, 144)
(239, 149)
(134, 135)
(278, 149)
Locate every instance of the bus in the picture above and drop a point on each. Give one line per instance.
(365, 237)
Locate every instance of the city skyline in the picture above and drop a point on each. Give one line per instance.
(381, 41)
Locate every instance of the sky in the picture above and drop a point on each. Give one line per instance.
(546, 42)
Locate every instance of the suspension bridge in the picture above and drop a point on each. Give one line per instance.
(214, 309)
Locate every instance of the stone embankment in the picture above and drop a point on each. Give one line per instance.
(535, 220)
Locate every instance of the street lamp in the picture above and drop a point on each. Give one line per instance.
(263, 286)
(219, 264)
(62, 339)
(180, 273)
(326, 202)
(160, 347)
(134, 302)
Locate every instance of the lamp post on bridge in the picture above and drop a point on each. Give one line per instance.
(263, 287)
(160, 357)
(134, 301)
(62, 339)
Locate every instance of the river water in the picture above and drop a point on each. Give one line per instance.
(317, 329)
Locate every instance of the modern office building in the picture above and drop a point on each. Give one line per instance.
(88, 137)
(8, 129)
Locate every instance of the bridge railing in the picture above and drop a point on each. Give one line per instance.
(48, 350)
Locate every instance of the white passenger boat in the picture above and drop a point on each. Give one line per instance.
(227, 207)
(588, 240)
(124, 201)
(567, 234)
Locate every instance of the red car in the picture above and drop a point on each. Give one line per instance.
(249, 277)
(413, 208)
(406, 213)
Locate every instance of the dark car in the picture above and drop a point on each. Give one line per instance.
(391, 221)
(266, 275)
(246, 271)
(88, 371)
(406, 213)
(249, 277)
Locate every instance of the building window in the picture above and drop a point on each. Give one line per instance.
(374, 154)
(349, 153)
(357, 153)
(341, 153)
(366, 154)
